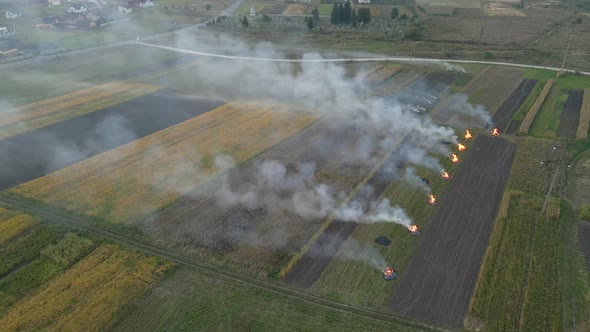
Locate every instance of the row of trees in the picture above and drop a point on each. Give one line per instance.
(345, 14)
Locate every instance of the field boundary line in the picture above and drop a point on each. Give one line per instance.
(54, 215)
(532, 112)
(291, 264)
(553, 180)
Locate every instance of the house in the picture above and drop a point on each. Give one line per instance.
(123, 10)
(364, 1)
(54, 2)
(146, 3)
(10, 11)
(8, 48)
(6, 31)
(252, 11)
(77, 9)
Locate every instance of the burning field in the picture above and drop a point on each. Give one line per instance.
(437, 285)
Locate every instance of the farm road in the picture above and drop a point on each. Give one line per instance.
(58, 216)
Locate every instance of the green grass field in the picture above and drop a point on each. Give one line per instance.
(244, 9)
(547, 120)
(191, 300)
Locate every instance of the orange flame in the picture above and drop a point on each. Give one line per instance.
(388, 271)
(413, 228)
(461, 147)
(444, 175)
(431, 200)
(468, 134)
(495, 132)
(454, 158)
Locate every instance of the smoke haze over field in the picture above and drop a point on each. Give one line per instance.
(363, 129)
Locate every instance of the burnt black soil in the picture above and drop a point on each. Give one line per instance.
(570, 117)
(505, 113)
(438, 283)
(39, 152)
(584, 241)
(313, 263)
(513, 127)
(424, 92)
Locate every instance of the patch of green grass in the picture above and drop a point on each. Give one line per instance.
(539, 74)
(325, 9)
(529, 101)
(547, 120)
(28, 248)
(22, 282)
(519, 287)
(570, 81)
(461, 79)
(193, 301)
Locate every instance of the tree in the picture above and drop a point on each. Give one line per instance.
(354, 20)
(364, 15)
(334, 14)
(579, 20)
(266, 18)
(245, 22)
(208, 7)
(346, 13)
(404, 17)
(488, 55)
(394, 13)
(309, 23)
(316, 15)
(340, 13)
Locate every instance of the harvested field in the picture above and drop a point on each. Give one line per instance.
(505, 113)
(47, 112)
(11, 225)
(467, 12)
(452, 29)
(437, 285)
(493, 86)
(584, 241)
(583, 126)
(298, 9)
(570, 117)
(274, 8)
(532, 113)
(424, 93)
(37, 153)
(260, 239)
(89, 295)
(497, 9)
(132, 181)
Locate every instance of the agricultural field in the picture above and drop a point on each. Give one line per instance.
(503, 117)
(49, 111)
(453, 29)
(493, 87)
(13, 224)
(41, 151)
(89, 295)
(583, 127)
(184, 153)
(531, 112)
(439, 280)
(34, 81)
(191, 300)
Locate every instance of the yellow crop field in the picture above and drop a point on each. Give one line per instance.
(44, 113)
(13, 225)
(128, 182)
(87, 296)
(582, 132)
(532, 113)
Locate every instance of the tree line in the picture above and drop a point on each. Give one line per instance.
(343, 13)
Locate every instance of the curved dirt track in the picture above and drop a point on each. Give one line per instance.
(438, 283)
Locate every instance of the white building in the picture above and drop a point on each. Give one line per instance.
(146, 4)
(9, 14)
(123, 10)
(54, 2)
(364, 1)
(252, 11)
(5, 31)
(78, 10)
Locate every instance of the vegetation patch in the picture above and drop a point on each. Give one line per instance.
(13, 225)
(532, 112)
(88, 296)
(584, 124)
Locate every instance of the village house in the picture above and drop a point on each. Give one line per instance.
(77, 9)
(8, 48)
(123, 10)
(10, 11)
(54, 2)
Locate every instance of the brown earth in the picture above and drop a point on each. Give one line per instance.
(570, 117)
(439, 281)
(505, 113)
(493, 86)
